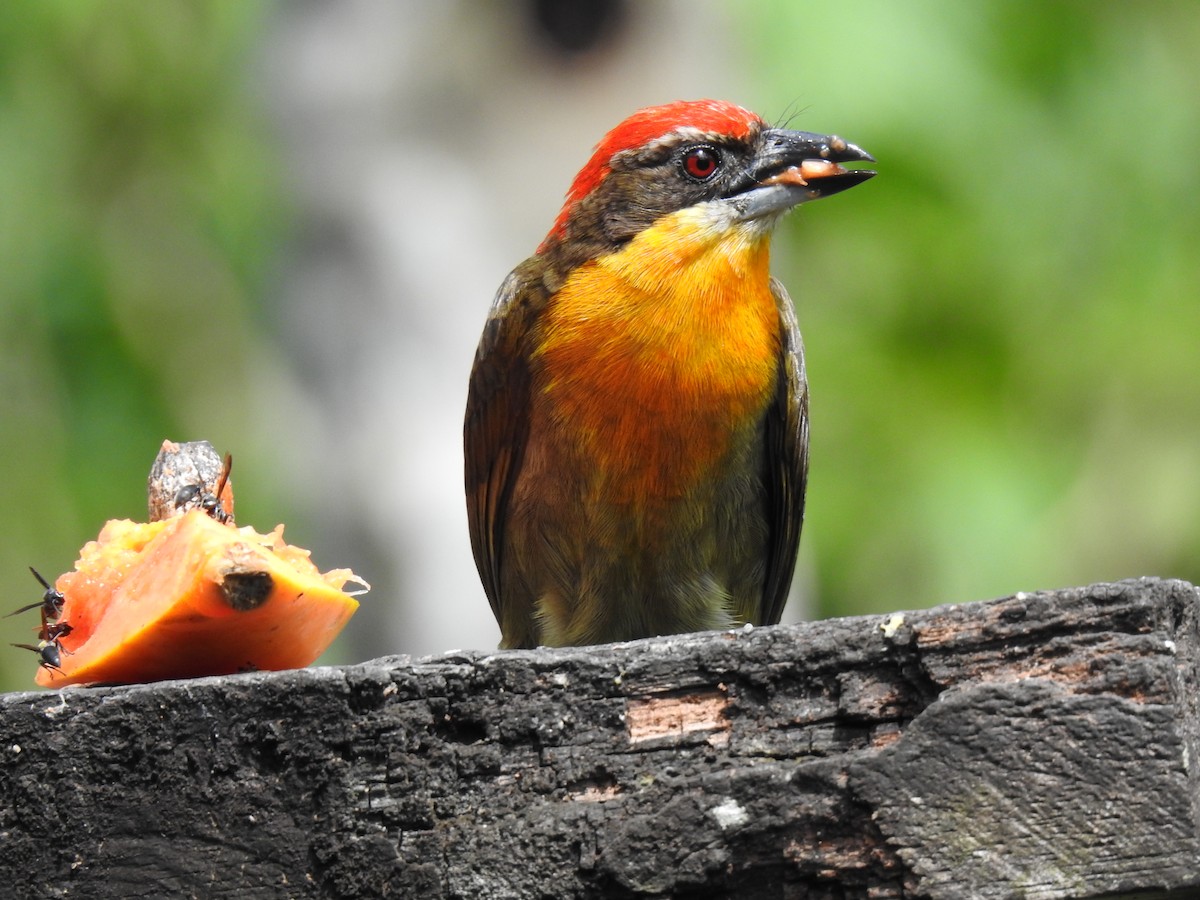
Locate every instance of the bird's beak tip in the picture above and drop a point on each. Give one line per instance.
(848, 152)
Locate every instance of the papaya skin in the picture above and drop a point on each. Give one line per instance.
(189, 596)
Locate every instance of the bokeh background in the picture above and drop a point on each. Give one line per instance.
(278, 226)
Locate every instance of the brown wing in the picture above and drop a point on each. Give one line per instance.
(497, 420)
(787, 461)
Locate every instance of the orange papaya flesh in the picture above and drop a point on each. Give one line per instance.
(190, 596)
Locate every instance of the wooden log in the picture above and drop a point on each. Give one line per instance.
(1039, 746)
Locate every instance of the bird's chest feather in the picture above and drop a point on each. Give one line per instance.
(653, 363)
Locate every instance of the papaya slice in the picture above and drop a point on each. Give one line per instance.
(191, 596)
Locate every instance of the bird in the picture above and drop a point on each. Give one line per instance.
(636, 428)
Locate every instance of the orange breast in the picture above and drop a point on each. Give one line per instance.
(653, 360)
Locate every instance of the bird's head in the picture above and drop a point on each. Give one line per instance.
(664, 159)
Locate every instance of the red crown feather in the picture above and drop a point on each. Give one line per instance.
(646, 125)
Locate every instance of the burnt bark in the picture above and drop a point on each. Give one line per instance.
(1042, 745)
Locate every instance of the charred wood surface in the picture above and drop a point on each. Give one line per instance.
(1040, 746)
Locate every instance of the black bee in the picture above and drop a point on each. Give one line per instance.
(52, 631)
(49, 652)
(209, 502)
(51, 602)
(48, 648)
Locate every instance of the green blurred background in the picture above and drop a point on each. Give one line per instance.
(1001, 328)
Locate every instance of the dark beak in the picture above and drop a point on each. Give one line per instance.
(794, 167)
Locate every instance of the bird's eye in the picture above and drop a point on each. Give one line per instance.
(701, 162)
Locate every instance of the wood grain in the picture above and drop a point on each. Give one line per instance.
(1038, 746)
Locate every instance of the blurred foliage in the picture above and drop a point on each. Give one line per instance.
(1001, 327)
(138, 220)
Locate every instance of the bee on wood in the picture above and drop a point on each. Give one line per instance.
(194, 496)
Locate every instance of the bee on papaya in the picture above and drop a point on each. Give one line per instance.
(52, 631)
(49, 653)
(49, 647)
(51, 602)
(194, 496)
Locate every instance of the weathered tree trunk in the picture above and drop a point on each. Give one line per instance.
(1043, 745)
